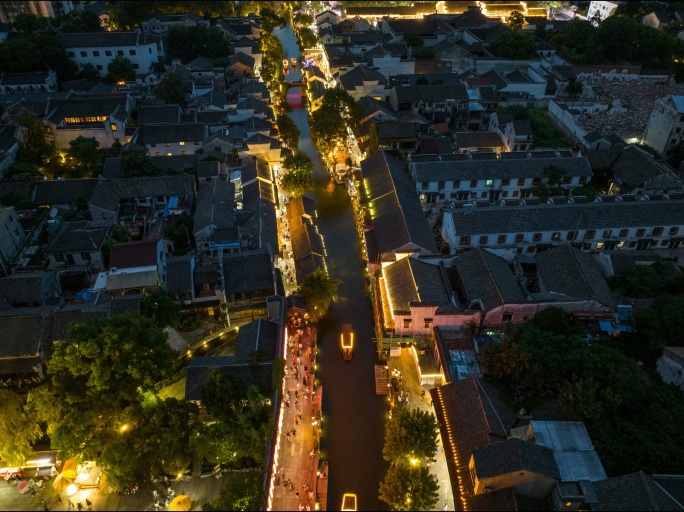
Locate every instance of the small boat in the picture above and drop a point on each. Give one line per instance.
(294, 62)
(285, 63)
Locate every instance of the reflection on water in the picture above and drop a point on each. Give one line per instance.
(354, 414)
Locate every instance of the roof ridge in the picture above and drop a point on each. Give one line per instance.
(581, 271)
(490, 403)
(642, 476)
(479, 250)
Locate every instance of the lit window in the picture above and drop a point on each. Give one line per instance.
(599, 245)
(114, 128)
(181, 143)
(157, 153)
(168, 144)
(168, 154)
(489, 183)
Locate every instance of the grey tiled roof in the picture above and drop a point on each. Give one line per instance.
(498, 168)
(179, 274)
(360, 74)
(395, 130)
(432, 93)
(411, 281)
(109, 192)
(512, 456)
(486, 276)
(76, 313)
(88, 106)
(261, 335)
(23, 335)
(241, 58)
(28, 288)
(478, 140)
(636, 491)
(34, 77)
(77, 237)
(215, 203)
(157, 114)
(129, 303)
(199, 372)
(258, 221)
(49, 192)
(248, 271)
(570, 272)
(172, 132)
(634, 166)
(562, 217)
(399, 217)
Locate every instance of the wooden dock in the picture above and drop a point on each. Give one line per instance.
(381, 380)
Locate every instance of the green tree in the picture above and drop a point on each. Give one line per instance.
(553, 6)
(34, 146)
(640, 281)
(298, 179)
(289, 132)
(555, 320)
(118, 461)
(409, 488)
(179, 229)
(23, 171)
(413, 40)
(79, 21)
(661, 324)
(119, 234)
(36, 52)
(516, 20)
(410, 435)
(270, 19)
(242, 491)
(308, 38)
(158, 306)
(299, 162)
(26, 23)
(223, 395)
(120, 69)
(88, 72)
(515, 45)
(171, 90)
(576, 41)
(306, 20)
(136, 162)
(45, 407)
(18, 429)
(84, 152)
(317, 290)
(188, 43)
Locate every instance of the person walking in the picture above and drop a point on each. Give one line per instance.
(70, 505)
(89, 505)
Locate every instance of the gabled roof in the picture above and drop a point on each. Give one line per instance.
(370, 105)
(128, 303)
(87, 106)
(359, 75)
(243, 59)
(179, 274)
(28, 288)
(570, 272)
(109, 193)
(76, 313)
(636, 491)
(477, 140)
(172, 132)
(259, 335)
(49, 192)
(77, 237)
(158, 114)
(139, 253)
(260, 138)
(439, 92)
(486, 276)
(252, 103)
(106, 39)
(200, 369)
(248, 271)
(399, 219)
(394, 130)
(23, 334)
(522, 127)
(512, 456)
(635, 167)
(410, 282)
(33, 77)
(215, 203)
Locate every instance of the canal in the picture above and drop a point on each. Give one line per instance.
(354, 416)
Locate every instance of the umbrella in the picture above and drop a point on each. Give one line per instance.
(69, 464)
(181, 502)
(64, 479)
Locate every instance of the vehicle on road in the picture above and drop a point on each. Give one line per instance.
(349, 502)
(347, 341)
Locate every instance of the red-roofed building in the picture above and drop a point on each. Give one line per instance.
(136, 265)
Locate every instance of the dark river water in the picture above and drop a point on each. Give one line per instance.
(353, 426)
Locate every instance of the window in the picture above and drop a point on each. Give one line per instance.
(407, 323)
(599, 245)
(536, 181)
(183, 152)
(556, 236)
(424, 185)
(114, 128)
(11, 219)
(484, 239)
(196, 143)
(607, 233)
(489, 183)
(504, 194)
(483, 195)
(457, 183)
(85, 256)
(99, 67)
(167, 144)
(59, 257)
(153, 145)
(108, 53)
(149, 50)
(453, 195)
(664, 243)
(516, 193)
(96, 53)
(84, 54)
(465, 240)
(674, 231)
(505, 182)
(590, 234)
(507, 317)
(657, 231)
(519, 238)
(131, 52)
(641, 232)
(583, 179)
(473, 183)
(119, 52)
(536, 237)
(169, 154)
(181, 143)
(157, 153)
(530, 249)
(440, 185)
(428, 323)
(501, 239)
(624, 233)
(521, 181)
(71, 54)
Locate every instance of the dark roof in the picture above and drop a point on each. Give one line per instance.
(258, 220)
(156, 114)
(128, 303)
(241, 58)
(634, 167)
(200, 369)
(76, 313)
(179, 274)
(398, 215)
(174, 132)
(215, 203)
(410, 93)
(673, 484)
(105, 39)
(28, 288)
(522, 127)
(486, 276)
(49, 192)
(512, 456)
(503, 168)
(360, 74)
(248, 271)
(370, 105)
(77, 237)
(24, 335)
(87, 106)
(546, 217)
(32, 77)
(478, 140)
(411, 281)
(636, 491)
(139, 253)
(259, 335)
(109, 192)
(504, 117)
(393, 130)
(568, 271)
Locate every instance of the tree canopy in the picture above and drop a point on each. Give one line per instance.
(409, 488)
(171, 90)
(158, 306)
(34, 146)
(329, 123)
(136, 162)
(515, 45)
(36, 51)
(120, 69)
(318, 289)
(241, 492)
(516, 20)
(289, 132)
(188, 43)
(18, 429)
(410, 435)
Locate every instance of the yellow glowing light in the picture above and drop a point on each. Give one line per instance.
(71, 489)
(414, 462)
(124, 428)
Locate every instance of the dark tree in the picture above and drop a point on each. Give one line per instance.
(120, 69)
(171, 90)
(515, 45)
(158, 306)
(516, 20)
(188, 43)
(289, 132)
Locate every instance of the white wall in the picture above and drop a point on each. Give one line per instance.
(144, 56)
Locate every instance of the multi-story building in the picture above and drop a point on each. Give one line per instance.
(664, 129)
(427, 100)
(100, 48)
(9, 9)
(36, 81)
(171, 139)
(601, 9)
(599, 225)
(162, 23)
(461, 177)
